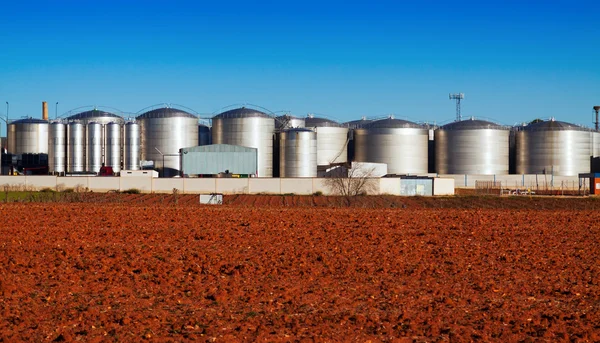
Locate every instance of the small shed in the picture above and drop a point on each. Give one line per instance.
(594, 179)
(215, 159)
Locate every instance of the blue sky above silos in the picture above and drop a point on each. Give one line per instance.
(514, 61)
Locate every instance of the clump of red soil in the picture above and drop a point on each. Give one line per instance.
(166, 271)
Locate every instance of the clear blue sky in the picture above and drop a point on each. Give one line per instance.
(514, 60)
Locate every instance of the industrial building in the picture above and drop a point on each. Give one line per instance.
(252, 142)
(219, 160)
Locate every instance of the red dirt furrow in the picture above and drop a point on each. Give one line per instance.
(166, 272)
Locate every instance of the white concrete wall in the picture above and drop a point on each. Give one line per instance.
(143, 183)
(147, 184)
(13, 182)
(320, 185)
(389, 185)
(75, 182)
(443, 186)
(264, 185)
(298, 186)
(104, 183)
(40, 182)
(200, 185)
(231, 186)
(167, 185)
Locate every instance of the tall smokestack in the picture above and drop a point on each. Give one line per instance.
(597, 109)
(44, 110)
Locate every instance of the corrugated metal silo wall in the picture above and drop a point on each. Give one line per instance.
(276, 155)
(253, 132)
(479, 151)
(560, 153)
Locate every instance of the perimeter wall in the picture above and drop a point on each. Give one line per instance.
(147, 184)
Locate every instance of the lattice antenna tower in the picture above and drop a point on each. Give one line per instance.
(458, 97)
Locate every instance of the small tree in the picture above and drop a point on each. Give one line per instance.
(348, 182)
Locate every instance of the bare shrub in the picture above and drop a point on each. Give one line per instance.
(350, 182)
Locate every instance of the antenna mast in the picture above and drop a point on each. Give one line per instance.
(596, 109)
(458, 97)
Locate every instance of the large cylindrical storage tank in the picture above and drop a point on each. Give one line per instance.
(28, 136)
(96, 116)
(250, 128)
(472, 146)
(163, 132)
(596, 144)
(57, 148)
(553, 147)
(112, 155)
(131, 146)
(353, 125)
(204, 135)
(298, 153)
(332, 140)
(95, 140)
(287, 121)
(76, 148)
(401, 144)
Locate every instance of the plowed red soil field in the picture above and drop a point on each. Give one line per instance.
(169, 272)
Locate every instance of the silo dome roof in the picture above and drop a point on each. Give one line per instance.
(29, 121)
(473, 124)
(288, 116)
(391, 123)
(242, 112)
(554, 125)
(166, 112)
(93, 114)
(357, 124)
(321, 122)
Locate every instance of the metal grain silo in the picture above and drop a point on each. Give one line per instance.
(287, 121)
(204, 135)
(57, 147)
(76, 148)
(250, 128)
(595, 144)
(399, 143)
(96, 116)
(472, 146)
(131, 146)
(95, 142)
(332, 140)
(163, 132)
(298, 153)
(112, 148)
(353, 125)
(553, 147)
(28, 136)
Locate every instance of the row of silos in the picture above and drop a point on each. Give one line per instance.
(85, 141)
(75, 147)
(478, 147)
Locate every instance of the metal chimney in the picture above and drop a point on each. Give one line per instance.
(44, 110)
